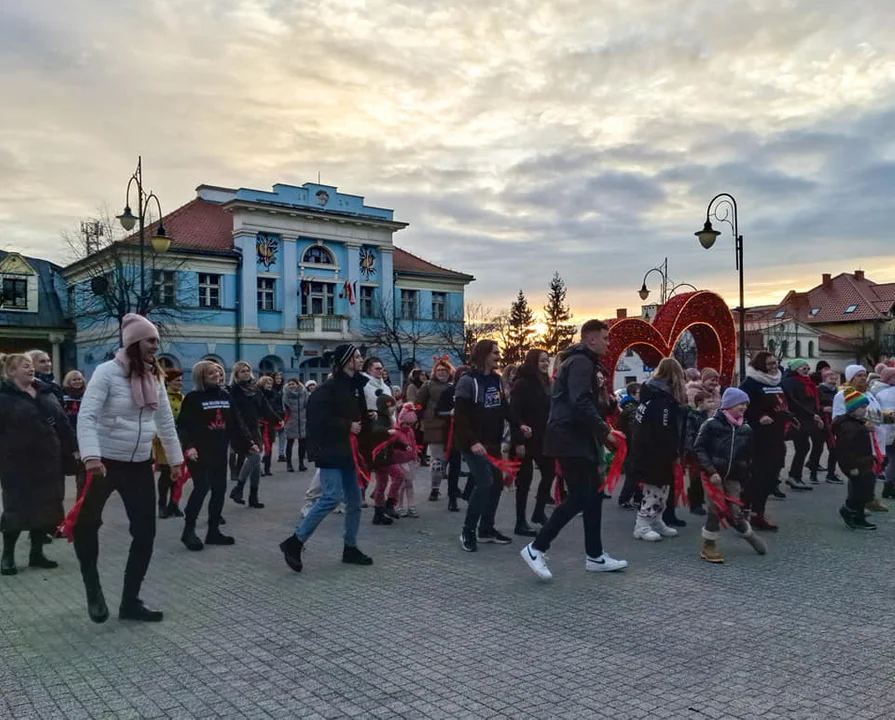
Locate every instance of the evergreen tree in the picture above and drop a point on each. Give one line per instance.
(520, 331)
(560, 332)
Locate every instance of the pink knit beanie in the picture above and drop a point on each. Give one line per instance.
(407, 415)
(888, 375)
(135, 328)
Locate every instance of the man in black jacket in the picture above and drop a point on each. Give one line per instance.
(336, 411)
(576, 432)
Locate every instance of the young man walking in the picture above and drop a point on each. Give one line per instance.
(480, 410)
(336, 412)
(576, 432)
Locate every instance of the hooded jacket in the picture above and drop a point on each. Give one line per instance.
(480, 410)
(530, 401)
(658, 435)
(576, 427)
(724, 448)
(332, 408)
(250, 402)
(207, 423)
(434, 425)
(296, 404)
(854, 447)
(801, 398)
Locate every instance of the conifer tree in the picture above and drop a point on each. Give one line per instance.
(560, 332)
(521, 330)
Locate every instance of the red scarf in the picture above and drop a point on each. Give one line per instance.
(810, 389)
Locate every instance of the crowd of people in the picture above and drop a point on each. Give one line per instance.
(679, 439)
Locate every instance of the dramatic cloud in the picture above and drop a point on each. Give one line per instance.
(517, 138)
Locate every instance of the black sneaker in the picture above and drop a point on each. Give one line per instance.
(834, 479)
(353, 556)
(778, 495)
(797, 485)
(697, 510)
(525, 530)
(848, 517)
(627, 505)
(468, 542)
(494, 536)
(291, 548)
(433, 496)
(861, 523)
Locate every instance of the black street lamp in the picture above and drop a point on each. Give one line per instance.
(723, 207)
(160, 240)
(664, 292)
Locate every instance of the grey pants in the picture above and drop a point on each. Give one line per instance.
(736, 516)
(251, 471)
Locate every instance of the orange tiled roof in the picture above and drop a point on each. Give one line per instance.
(829, 301)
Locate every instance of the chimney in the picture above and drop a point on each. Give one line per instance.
(859, 274)
(621, 313)
(827, 278)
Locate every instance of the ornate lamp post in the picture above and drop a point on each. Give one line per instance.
(664, 291)
(723, 207)
(160, 240)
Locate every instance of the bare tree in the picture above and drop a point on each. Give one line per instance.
(460, 332)
(109, 282)
(401, 336)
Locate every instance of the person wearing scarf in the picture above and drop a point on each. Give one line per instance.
(803, 400)
(124, 407)
(767, 415)
(724, 450)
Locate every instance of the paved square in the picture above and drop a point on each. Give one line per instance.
(432, 632)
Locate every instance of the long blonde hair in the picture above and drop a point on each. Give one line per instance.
(237, 366)
(671, 371)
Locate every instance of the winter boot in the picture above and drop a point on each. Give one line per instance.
(758, 544)
(643, 530)
(380, 518)
(36, 557)
(660, 527)
(8, 561)
(390, 509)
(353, 556)
(433, 496)
(236, 494)
(190, 539)
(291, 548)
(876, 506)
(215, 537)
(253, 499)
(710, 552)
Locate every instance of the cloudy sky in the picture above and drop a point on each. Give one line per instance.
(517, 137)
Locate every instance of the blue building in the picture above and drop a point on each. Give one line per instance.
(277, 278)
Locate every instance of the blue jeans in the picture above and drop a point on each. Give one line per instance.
(488, 486)
(337, 485)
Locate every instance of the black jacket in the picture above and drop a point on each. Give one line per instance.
(576, 427)
(208, 424)
(50, 380)
(770, 401)
(825, 395)
(36, 449)
(332, 408)
(480, 410)
(530, 403)
(800, 403)
(249, 401)
(658, 432)
(724, 448)
(692, 424)
(854, 447)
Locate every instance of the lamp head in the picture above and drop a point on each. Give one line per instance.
(707, 235)
(644, 292)
(127, 218)
(160, 240)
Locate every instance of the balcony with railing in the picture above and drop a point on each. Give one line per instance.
(323, 324)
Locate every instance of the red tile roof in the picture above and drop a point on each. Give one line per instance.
(206, 226)
(831, 299)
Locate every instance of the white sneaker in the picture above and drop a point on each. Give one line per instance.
(604, 563)
(402, 511)
(644, 531)
(660, 527)
(535, 560)
(340, 509)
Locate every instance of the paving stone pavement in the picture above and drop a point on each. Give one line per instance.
(432, 632)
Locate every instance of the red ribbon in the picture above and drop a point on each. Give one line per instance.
(360, 465)
(67, 526)
(615, 467)
(722, 502)
(450, 439)
(509, 468)
(265, 437)
(877, 454)
(383, 445)
(557, 484)
(680, 492)
(177, 490)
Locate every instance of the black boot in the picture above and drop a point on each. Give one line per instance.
(671, 519)
(136, 610)
(190, 539)
(36, 557)
(236, 494)
(174, 510)
(380, 518)
(8, 563)
(289, 467)
(390, 510)
(353, 556)
(253, 499)
(163, 510)
(215, 537)
(96, 602)
(302, 467)
(433, 496)
(452, 505)
(291, 548)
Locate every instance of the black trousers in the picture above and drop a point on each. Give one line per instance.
(36, 537)
(583, 480)
(762, 482)
(135, 483)
(209, 473)
(631, 490)
(165, 486)
(860, 492)
(820, 439)
(302, 450)
(482, 507)
(454, 462)
(802, 443)
(547, 468)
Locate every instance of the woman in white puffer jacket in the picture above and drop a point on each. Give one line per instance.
(124, 407)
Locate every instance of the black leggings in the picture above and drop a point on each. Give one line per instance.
(165, 486)
(135, 484)
(547, 467)
(209, 473)
(10, 539)
(302, 449)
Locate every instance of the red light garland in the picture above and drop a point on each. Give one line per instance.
(703, 313)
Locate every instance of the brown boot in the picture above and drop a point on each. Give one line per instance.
(876, 506)
(710, 552)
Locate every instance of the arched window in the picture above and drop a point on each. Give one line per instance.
(168, 362)
(269, 365)
(811, 348)
(318, 255)
(798, 348)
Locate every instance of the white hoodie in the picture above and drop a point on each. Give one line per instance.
(373, 389)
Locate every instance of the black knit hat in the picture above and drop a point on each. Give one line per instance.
(342, 354)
